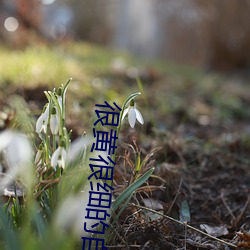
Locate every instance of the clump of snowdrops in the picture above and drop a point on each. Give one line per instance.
(44, 174)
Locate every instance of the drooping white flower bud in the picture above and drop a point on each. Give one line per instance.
(59, 157)
(54, 122)
(42, 122)
(133, 114)
(59, 97)
(39, 154)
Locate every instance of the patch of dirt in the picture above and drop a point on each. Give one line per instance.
(216, 187)
(204, 161)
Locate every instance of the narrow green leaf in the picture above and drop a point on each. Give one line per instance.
(128, 191)
(11, 237)
(122, 208)
(185, 212)
(138, 163)
(39, 222)
(65, 87)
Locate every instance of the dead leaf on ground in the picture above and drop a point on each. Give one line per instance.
(245, 236)
(215, 231)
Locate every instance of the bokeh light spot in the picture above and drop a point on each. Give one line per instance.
(47, 2)
(11, 24)
(58, 31)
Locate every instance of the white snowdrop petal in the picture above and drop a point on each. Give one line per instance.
(61, 163)
(59, 99)
(79, 147)
(39, 123)
(44, 127)
(55, 156)
(64, 153)
(63, 158)
(19, 151)
(54, 124)
(139, 116)
(5, 138)
(46, 113)
(124, 113)
(18, 156)
(38, 156)
(132, 117)
(70, 215)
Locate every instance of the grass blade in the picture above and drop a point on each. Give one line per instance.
(128, 191)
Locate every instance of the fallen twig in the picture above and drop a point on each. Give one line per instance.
(239, 217)
(226, 205)
(184, 224)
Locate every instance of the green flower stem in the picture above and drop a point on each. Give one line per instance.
(53, 97)
(53, 142)
(121, 114)
(66, 138)
(132, 96)
(47, 137)
(61, 114)
(46, 149)
(65, 87)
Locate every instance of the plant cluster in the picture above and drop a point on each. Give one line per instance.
(43, 178)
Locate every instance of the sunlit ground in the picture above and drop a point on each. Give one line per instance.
(199, 119)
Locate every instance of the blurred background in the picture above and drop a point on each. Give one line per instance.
(211, 34)
(193, 60)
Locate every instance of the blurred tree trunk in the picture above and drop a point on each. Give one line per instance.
(212, 33)
(92, 21)
(28, 14)
(229, 34)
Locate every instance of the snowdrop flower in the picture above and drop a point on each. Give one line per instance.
(54, 121)
(42, 122)
(39, 154)
(70, 215)
(17, 152)
(79, 148)
(77, 151)
(59, 97)
(59, 157)
(133, 114)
